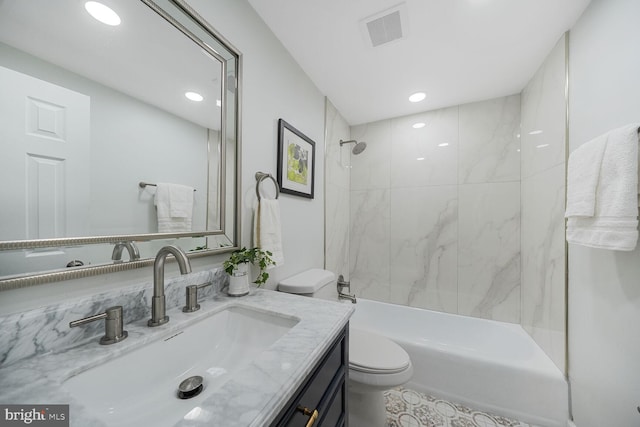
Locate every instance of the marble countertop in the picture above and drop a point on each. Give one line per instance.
(252, 397)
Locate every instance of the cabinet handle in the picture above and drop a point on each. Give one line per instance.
(313, 415)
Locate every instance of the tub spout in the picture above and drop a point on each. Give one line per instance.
(345, 284)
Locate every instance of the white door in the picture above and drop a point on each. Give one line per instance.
(44, 168)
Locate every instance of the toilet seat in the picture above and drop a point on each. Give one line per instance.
(373, 354)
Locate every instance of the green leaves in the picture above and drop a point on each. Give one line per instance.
(255, 256)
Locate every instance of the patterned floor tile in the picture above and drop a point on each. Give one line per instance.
(409, 408)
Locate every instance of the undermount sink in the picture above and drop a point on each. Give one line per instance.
(141, 387)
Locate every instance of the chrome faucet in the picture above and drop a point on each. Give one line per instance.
(158, 308)
(131, 247)
(345, 284)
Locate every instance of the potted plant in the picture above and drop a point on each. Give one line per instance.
(237, 267)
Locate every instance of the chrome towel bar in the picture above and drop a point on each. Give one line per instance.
(143, 184)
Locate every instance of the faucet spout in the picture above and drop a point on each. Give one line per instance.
(158, 307)
(131, 247)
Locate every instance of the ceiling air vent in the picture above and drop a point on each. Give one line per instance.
(386, 26)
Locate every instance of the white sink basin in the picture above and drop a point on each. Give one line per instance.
(141, 387)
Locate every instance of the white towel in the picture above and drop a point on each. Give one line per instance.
(174, 205)
(602, 191)
(267, 230)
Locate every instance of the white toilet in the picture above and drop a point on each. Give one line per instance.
(376, 363)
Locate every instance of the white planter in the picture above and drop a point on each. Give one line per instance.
(239, 281)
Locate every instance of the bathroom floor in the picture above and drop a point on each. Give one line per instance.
(408, 408)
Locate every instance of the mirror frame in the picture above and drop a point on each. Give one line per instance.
(32, 279)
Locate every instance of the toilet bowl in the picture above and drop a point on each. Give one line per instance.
(376, 363)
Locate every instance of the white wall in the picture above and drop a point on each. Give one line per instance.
(274, 87)
(604, 286)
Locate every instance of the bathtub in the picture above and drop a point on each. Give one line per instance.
(487, 365)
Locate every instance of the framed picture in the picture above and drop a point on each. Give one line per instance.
(296, 161)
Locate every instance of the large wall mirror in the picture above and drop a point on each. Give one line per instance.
(93, 116)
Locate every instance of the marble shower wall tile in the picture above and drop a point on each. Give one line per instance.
(369, 246)
(371, 168)
(439, 162)
(424, 244)
(337, 187)
(337, 161)
(544, 115)
(489, 251)
(543, 261)
(420, 235)
(543, 195)
(489, 141)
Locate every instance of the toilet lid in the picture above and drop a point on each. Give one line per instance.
(372, 353)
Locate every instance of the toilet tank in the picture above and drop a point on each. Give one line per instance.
(316, 282)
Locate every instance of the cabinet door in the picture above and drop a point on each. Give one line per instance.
(325, 392)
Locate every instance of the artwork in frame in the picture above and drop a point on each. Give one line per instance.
(296, 161)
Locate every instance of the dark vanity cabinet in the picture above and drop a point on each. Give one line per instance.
(322, 399)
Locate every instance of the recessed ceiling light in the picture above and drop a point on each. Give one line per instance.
(417, 97)
(193, 96)
(535, 132)
(418, 125)
(443, 144)
(102, 13)
(420, 158)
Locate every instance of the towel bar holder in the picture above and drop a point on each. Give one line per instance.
(261, 176)
(143, 184)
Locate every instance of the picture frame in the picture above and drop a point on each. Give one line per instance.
(296, 161)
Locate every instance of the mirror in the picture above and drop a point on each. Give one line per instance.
(93, 116)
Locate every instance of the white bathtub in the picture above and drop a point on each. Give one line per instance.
(487, 365)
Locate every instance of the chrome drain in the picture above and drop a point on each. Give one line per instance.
(191, 387)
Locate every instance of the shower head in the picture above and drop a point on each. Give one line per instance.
(358, 148)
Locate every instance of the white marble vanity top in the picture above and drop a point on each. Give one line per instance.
(253, 397)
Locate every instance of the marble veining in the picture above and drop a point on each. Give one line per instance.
(543, 198)
(369, 247)
(489, 251)
(424, 247)
(253, 397)
(418, 234)
(543, 263)
(337, 195)
(489, 143)
(46, 329)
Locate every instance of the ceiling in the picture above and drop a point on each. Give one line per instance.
(457, 51)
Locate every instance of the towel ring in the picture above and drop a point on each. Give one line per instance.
(261, 176)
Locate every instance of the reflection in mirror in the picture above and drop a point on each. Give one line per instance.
(89, 111)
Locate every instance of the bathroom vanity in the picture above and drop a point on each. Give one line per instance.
(262, 357)
(323, 397)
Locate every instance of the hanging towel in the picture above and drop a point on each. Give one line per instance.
(602, 191)
(267, 230)
(174, 205)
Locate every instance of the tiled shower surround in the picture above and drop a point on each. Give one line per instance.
(464, 215)
(435, 211)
